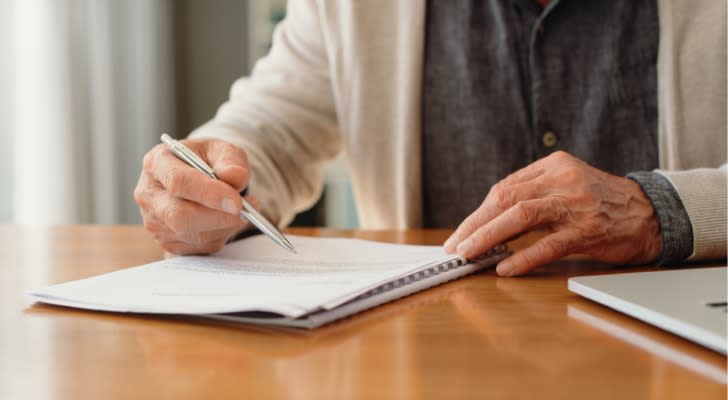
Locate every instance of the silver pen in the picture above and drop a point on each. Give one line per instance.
(248, 212)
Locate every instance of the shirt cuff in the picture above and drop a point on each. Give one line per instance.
(677, 231)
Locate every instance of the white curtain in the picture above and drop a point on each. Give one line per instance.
(92, 89)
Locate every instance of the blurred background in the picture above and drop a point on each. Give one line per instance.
(87, 87)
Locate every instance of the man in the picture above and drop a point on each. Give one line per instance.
(434, 102)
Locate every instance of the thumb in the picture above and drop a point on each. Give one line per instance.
(229, 162)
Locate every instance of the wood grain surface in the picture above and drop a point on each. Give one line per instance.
(479, 337)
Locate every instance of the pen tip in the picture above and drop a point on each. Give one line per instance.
(288, 246)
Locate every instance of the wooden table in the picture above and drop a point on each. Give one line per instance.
(479, 337)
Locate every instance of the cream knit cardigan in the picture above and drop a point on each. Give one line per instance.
(347, 75)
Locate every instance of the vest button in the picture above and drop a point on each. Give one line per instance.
(549, 139)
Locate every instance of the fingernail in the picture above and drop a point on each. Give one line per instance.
(229, 206)
(449, 244)
(504, 269)
(465, 247)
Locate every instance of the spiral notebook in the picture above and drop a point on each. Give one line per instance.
(253, 281)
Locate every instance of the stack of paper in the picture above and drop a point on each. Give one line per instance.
(328, 279)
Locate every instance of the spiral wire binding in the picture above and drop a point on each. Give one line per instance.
(426, 273)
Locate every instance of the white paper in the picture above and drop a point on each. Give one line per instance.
(250, 275)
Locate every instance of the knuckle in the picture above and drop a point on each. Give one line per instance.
(543, 183)
(141, 197)
(151, 156)
(558, 207)
(593, 228)
(230, 149)
(571, 174)
(176, 218)
(174, 180)
(148, 160)
(499, 196)
(153, 226)
(523, 212)
(149, 225)
(560, 155)
(237, 152)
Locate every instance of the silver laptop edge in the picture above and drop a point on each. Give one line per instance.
(597, 288)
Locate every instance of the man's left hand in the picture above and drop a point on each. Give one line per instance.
(585, 211)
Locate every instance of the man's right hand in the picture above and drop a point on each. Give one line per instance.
(185, 210)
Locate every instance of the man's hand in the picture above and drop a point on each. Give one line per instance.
(188, 212)
(585, 210)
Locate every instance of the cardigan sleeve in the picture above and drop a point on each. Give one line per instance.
(677, 232)
(283, 116)
(703, 193)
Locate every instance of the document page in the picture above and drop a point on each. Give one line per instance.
(250, 275)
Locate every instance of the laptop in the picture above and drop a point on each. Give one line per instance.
(688, 302)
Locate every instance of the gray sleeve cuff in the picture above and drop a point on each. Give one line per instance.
(677, 231)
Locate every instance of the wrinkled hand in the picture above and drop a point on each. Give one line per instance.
(585, 211)
(185, 210)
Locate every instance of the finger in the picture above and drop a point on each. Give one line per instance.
(522, 217)
(154, 225)
(191, 243)
(525, 174)
(184, 181)
(229, 162)
(538, 170)
(202, 239)
(253, 201)
(501, 197)
(184, 216)
(548, 249)
(143, 192)
(182, 248)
